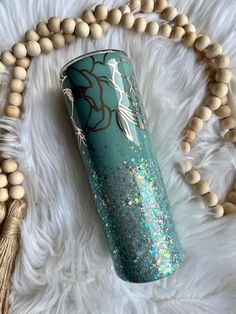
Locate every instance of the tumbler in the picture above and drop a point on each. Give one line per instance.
(107, 114)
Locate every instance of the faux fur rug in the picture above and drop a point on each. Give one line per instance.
(64, 265)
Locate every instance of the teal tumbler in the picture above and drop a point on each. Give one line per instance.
(106, 111)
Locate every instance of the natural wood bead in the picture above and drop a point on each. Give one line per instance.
(223, 112)
(58, 41)
(181, 20)
(95, 31)
(160, 5)
(33, 48)
(31, 35)
(190, 28)
(16, 178)
(45, 45)
(19, 50)
(15, 99)
(189, 39)
(42, 29)
(7, 58)
(78, 20)
(177, 34)
(202, 187)
(186, 166)
(54, 24)
(220, 90)
(152, 28)
(224, 100)
(169, 14)
(189, 135)
(214, 50)
(221, 61)
(9, 165)
(24, 63)
(82, 29)
(140, 25)
(202, 42)
(3, 180)
(19, 73)
(213, 102)
(128, 20)
(16, 192)
(232, 197)
(12, 111)
(114, 16)
(165, 30)
(135, 5)
(229, 208)
(211, 199)
(88, 17)
(218, 211)
(69, 38)
(231, 136)
(204, 113)
(101, 12)
(185, 147)
(223, 76)
(228, 123)
(196, 124)
(4, 196)
(68, 26)
(192, 177)
(105, 26)
(16, 86)
(147, 6)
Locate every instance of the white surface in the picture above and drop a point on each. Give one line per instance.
(64, 265)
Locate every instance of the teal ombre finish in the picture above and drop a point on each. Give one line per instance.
(107, 114)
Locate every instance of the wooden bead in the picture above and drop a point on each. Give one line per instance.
(231, 136)
(46, 45)
(58, 41)
(88, 17)
(54, 24)
(160, 5)
(223, 76)
(4, 196)
(192, 177)
(140, 25)
(202, 42)
(196, 124)
(95, 31)
(78, 20)
(33, 48)
(147, 6)
(204, 113)
(105, 26)
(221, 61)
(232, 197)
(12, 111)
(190, 28)
(69, 38)
(128, 20)
(31, 35)
(19, 50)
(15, 99)
(186, 166)
(19, 73)
(42, 29)
(165, 30)
(114, 16)
(101, 12)
(135, 5)
(211, 199)
(16, 178)
(16, 86)
(213, 102)
(224, 100)
(181, 20)
(3, 180)
(9, 165)
(7, 58)
(229, 208)
(169, 14)
(189, 135)
(218, 211)
(82, 29)
(214, 50)
(152, 28)
(16, 192)
(189, 39)
(24, 63)
(228, 123)
(185, 147)
(177, 34)
(219, 90)
(68, 26)
(223, 112)
(202, 187)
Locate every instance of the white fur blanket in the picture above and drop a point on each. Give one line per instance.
(64, 265)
